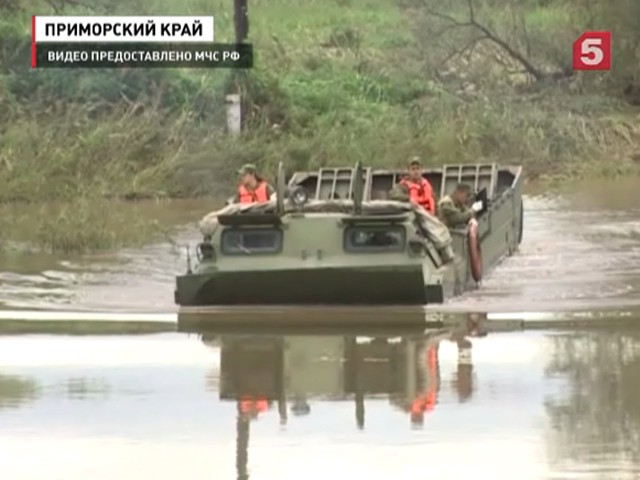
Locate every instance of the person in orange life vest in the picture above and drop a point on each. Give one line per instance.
(252, 188)
(420, 190)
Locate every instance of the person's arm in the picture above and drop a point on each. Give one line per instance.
(453, 217)
(270, 190)
(433, 205)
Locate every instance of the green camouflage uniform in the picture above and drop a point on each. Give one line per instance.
(453, 214)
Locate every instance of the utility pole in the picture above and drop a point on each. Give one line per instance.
(234, 100)
(241, 20)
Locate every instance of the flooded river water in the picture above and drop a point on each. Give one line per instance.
(580, 251)
(453, 403)
(562, 405)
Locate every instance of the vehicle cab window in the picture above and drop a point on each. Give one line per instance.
(375, 238)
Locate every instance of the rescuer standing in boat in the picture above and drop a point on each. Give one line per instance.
(453, 209)
(420, 190)
(253, 188)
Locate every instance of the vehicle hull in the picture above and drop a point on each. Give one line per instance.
(396, 285)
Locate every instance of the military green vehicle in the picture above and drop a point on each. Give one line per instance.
(332, 237)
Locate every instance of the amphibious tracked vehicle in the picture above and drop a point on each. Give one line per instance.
(331, 237)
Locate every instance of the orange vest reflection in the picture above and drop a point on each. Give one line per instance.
(426, 401)
(252, 406)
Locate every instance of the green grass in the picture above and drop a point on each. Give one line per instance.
(335, 82)
(81, 328)
(85, 224)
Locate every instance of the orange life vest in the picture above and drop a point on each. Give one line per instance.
(260, 194)
(421, 193)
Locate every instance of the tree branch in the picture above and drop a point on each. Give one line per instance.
(468, 46)
(533, 71)
(491, 36)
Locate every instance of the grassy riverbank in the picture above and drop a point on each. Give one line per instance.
(88, 223)
(335, 81)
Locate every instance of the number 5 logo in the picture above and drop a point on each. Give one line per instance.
(592, 51)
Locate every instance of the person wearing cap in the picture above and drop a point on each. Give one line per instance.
(453, 209)
(420, 190)
(253, 188)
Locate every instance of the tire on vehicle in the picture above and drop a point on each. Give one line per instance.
(520, 228)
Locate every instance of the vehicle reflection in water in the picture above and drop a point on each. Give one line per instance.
(591, 390)
(265, 373)
(451, 403)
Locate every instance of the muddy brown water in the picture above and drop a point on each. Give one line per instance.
(443, 404)
(580, 250)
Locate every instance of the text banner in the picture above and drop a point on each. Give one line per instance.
(137, 29)
(143, 55)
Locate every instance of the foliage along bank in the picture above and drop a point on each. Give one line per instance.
(334, 82)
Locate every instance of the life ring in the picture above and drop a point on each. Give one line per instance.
(475, 253)
(520, 227)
